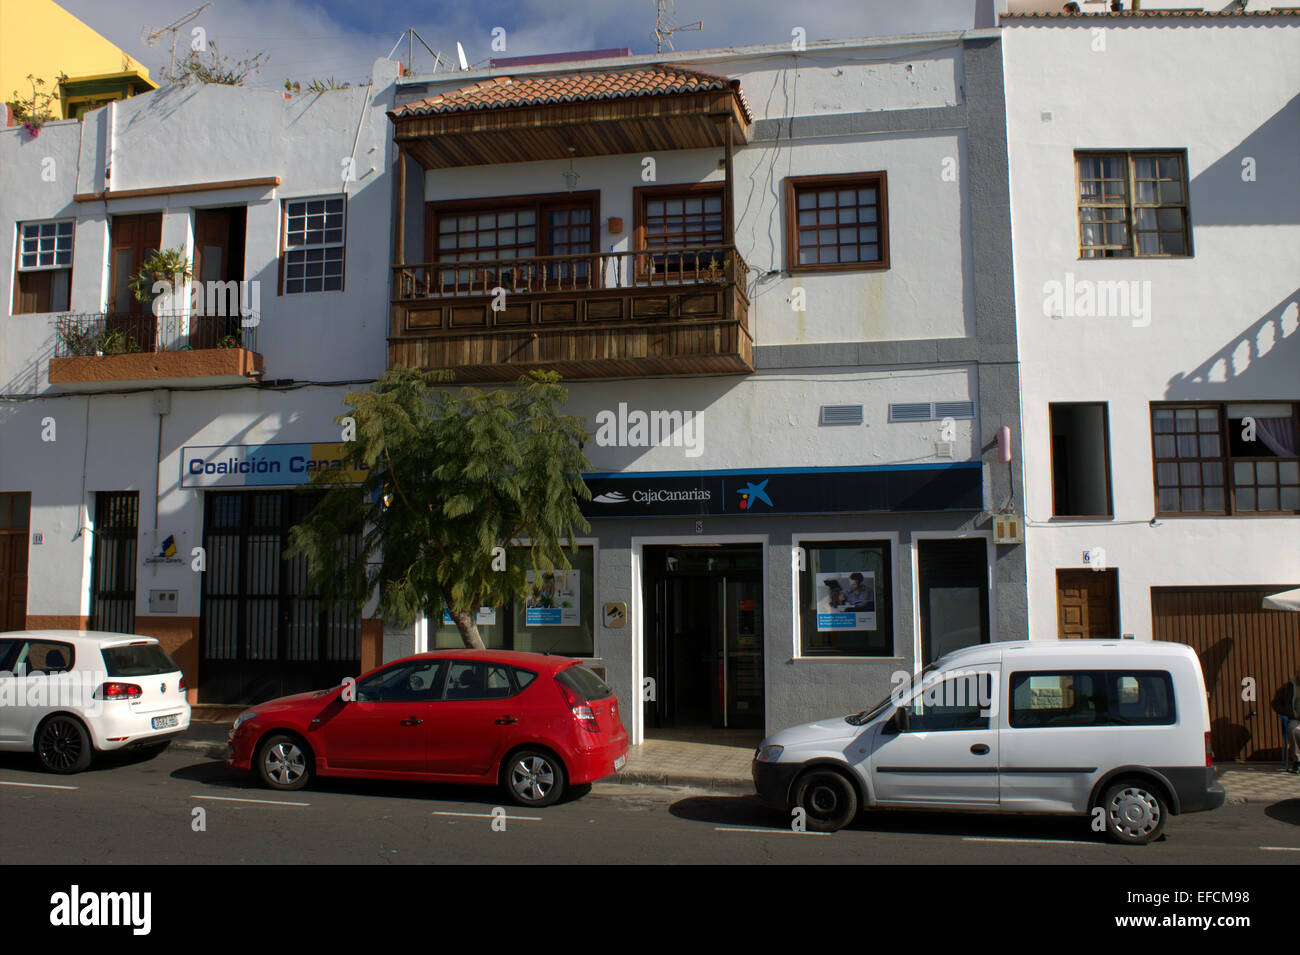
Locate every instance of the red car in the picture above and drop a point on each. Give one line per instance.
(531, 723)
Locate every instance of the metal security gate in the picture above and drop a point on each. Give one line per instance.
(264, 632)
(112, 562)
(1236, 639)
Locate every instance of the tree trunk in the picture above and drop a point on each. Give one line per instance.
(468, 629)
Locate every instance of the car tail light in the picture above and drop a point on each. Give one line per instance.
(118, 691)
(1209, 751)
(581, 711)
(181, 685)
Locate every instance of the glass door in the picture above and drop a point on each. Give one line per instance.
(742, 652)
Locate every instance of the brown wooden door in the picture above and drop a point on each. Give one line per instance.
(1236, 640)
(217, 258)
(132, 238)
(1087, 603)
(14, 521)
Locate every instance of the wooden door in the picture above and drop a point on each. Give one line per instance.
(1087, 603)
(1242, 647)
(14, 522)
(132, 238)
(216, 259)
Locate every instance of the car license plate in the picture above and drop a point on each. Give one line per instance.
(620, 763)
(163, 722)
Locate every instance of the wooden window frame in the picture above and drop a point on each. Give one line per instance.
(1225, 459)
(860, 180)
(1131, 205)
(284, 250)
(1105, 424)
(687, 190)
(48, 270)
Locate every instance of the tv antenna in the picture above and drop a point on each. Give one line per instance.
(665, 26)
(173, 29)
(411, 35)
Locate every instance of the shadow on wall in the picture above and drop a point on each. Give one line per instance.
(1267, 353)
(28, 381)
(1220, 195)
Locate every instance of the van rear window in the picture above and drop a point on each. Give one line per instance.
(1092, 698)
(143, 659)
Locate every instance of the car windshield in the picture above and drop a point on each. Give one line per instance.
(141, 659)
(867, 715)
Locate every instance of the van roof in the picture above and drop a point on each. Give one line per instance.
(1009, 649)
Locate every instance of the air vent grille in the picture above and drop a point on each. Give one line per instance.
(841, 414)
(916, 411)
(954, 409)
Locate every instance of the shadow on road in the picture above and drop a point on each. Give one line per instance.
(103, 762)
(1288, 811)
(748, 811)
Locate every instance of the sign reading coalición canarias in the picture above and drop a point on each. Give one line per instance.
(261, 465)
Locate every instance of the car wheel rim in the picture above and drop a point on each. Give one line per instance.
(285, 763)
(1134, 812)
(822, 801)
(532, 778)
(60, 744)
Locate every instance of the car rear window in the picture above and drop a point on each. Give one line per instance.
(585, 683)
(143, 659)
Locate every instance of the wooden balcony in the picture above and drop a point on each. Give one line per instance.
(596, 315)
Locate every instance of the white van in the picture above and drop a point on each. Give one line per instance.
(1027, 726)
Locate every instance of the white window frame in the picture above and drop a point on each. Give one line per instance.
(308, 247)
(72, 235)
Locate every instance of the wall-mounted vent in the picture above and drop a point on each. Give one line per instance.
(916, 411)
(954, 409)
(841, 414)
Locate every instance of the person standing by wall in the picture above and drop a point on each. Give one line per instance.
(1287, 705)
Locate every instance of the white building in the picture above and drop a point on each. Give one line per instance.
(826, 301)
(1155, 200)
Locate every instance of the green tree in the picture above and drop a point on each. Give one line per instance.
(451, 478)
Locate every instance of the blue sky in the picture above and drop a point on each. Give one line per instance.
(304, 39)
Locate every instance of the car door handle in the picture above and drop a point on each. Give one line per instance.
(507, 720)
(980, 749)
(412, 721)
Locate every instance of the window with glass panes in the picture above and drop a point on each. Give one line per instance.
(1226, 459)
(673, 219)
(1133, 204)
(44, 270)
(836, 223)
(314, 231)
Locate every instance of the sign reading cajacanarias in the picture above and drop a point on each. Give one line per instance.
(262, 465)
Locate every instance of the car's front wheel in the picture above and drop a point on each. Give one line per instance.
(534, 777)
(63, 745)
(283, 763)
(828, 799)
(1135, 812)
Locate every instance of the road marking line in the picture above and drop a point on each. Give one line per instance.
(1281, 848)
(488, 815)
(789, 832)
(269, 802)
(37, 785)
(1046, 842)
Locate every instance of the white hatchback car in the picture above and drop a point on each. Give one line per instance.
(67, 694)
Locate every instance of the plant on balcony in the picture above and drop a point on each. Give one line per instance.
(447, 481)
(229, 341)
(34, 112)
(76, 338)
(161, 265)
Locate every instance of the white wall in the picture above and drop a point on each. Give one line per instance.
(1222, 325)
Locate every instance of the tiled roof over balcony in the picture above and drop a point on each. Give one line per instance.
(504, 91)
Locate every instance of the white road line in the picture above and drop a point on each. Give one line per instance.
(37, 785)
(268, 802)
(1045, 842)
(1281, 848)
(488, 815)
(770, 832)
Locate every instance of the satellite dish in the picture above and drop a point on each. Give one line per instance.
(460, 55)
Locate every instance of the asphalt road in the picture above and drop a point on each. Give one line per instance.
(134, 810)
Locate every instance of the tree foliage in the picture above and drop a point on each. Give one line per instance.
(449, 477)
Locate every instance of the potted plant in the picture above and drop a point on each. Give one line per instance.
(229, 341)
(161, 265)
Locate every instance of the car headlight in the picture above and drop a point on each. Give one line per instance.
(770, 753)
(243, 717)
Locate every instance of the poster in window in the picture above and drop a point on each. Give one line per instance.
(846, 601)
(553, 598)
(486, 617)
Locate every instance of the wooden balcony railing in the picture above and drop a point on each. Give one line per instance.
(590, 315)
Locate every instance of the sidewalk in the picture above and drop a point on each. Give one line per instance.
(725, 768)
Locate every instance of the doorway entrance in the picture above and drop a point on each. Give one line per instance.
(1087, 603)
(704, 636)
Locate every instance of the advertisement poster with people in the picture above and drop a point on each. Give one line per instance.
(553, 598)
(846, 601)
(485, 617)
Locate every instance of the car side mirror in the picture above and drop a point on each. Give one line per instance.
(897, 723)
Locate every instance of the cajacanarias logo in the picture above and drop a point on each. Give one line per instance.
(751, 493)
(77, 908)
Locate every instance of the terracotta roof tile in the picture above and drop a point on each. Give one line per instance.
(504, 92)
